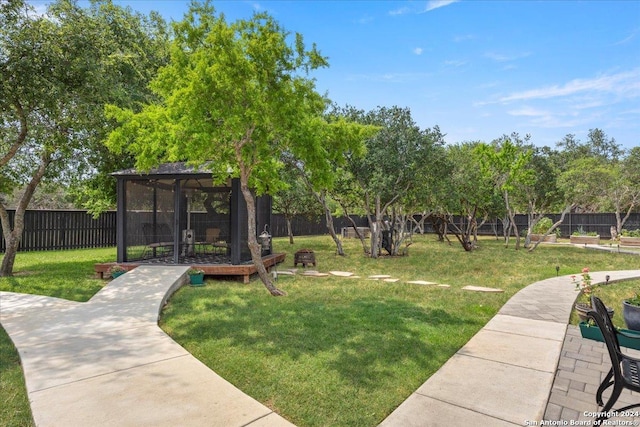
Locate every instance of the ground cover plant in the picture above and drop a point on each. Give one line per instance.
(335, 351)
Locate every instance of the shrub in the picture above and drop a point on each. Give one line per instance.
(630, 233)
(543, 226)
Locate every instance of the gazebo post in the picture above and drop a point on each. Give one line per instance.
(177, 235)
(234, 225)
(121, 226)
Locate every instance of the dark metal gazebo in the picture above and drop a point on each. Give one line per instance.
(174, 214)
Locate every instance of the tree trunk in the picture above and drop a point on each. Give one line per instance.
(289, 229)
(376, 231)
(322, 199)
(512, 220)
(13, 235)
(355, 227)
(254, 246)
(566, 210)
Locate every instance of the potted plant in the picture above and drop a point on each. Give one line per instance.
(116, 270)
(631, 312)
(541, 227)
(626, 338)
(630, 237)
(196, 277)
(584, 284)
(581, 237)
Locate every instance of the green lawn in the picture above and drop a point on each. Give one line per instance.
(347, 351)
(335, 351)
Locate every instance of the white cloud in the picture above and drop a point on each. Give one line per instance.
(431, 5)
(528, 112)
(627, 39)
(400, 11)
(464, 38)
(418, 51)
(455, 63)
(435, 4)
(365, 20)
(625, 84)
(500, 57)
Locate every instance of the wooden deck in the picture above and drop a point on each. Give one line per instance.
(245, 271)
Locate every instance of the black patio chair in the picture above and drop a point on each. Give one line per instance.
(625, 370)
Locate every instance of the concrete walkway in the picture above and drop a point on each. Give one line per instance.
(112, 350)
(504, 375)
(107, 363)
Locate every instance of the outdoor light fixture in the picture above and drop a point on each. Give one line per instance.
(606, 279)
(557, 270)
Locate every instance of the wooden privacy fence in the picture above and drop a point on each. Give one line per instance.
(65, 229)
(73, 229)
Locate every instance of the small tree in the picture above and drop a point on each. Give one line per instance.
(294, 200)
(236, 96)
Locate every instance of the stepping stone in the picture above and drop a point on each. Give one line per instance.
(421, 282)
(444, 286)
(481, 289)
(286, 273)
(314, 273)
(391, 280)
(380, 276)
(341, 273)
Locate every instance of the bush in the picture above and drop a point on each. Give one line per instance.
(630, 233)
(543, 226)
(580, 232)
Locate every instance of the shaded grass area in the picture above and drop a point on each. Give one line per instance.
(340, 351)
(63, 274)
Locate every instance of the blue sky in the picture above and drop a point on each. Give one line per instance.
(477, 69)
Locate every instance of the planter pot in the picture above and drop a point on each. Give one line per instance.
(551, 238)
(629, 241)
(592, 332)
(117, 274)
(196, 279)
(585, 240)
(631, 315)
(583, 308)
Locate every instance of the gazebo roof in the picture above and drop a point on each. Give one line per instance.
(165, 170)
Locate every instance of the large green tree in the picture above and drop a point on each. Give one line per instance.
(236, 99)
(398, 161)
(506, 160)
(57, 73)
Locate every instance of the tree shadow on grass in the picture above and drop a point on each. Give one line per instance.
(362, 340)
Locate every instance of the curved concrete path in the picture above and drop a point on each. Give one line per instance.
(503, 376)
(111, 350)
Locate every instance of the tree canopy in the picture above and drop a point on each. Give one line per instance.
(235, 99)
(58, 71)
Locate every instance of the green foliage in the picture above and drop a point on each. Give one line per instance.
(543, 225)
(580, 231)
(634, 300)
(630, 233)
(236, 95)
